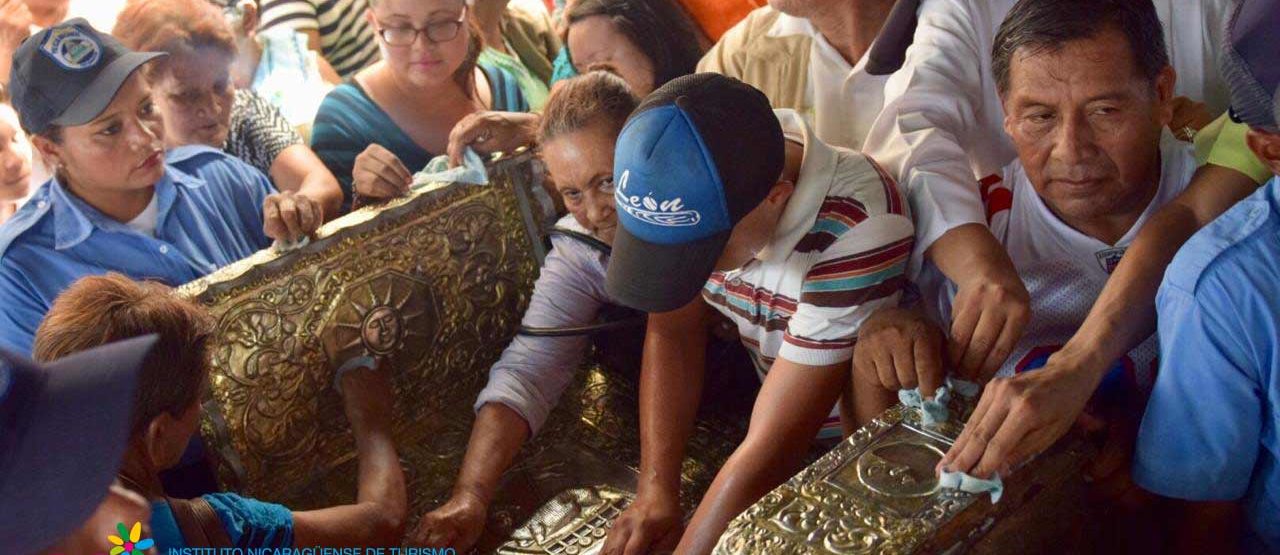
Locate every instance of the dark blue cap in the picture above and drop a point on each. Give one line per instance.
(1249, 63)
(66, 75)
(698, 155)
(63, 432)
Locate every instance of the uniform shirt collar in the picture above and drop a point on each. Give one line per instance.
(817, 171)
(74, 219)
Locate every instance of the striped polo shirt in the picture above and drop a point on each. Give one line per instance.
(346, 38)
(840, 252)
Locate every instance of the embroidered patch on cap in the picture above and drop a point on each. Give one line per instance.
(667, 213)
(71, 48)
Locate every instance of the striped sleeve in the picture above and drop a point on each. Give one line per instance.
(299, 15)
(860, 266)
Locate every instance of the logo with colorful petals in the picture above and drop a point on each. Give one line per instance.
(130, 542)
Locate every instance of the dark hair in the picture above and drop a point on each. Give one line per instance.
(583, 100)
(659, 28)
(103, 309)
(1047, 25)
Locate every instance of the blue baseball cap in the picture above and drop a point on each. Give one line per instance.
(63, 432)
(68, 74)
(697, 156)
(1248, 63)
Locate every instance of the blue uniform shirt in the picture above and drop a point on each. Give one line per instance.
(209, 214)
(1210, 431)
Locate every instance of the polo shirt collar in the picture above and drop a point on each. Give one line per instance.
(74, 219)
(817, 172)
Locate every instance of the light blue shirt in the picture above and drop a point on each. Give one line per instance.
(1210, 431)
(249, 523)
(209, 214)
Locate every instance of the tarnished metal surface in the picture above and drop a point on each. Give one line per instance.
(437, 283)
(877, 493)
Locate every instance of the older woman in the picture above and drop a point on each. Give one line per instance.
(199, 105)
(397, 114)
(646, 43)
(117, 201)
(578, 131)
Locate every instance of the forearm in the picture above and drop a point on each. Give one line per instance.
(746, 477)
(1124, 314)
(380, 486)
(970, 252)
(299, 170)
(497, 436)
(670, 389)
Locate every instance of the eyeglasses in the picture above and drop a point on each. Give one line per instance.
(436, 33)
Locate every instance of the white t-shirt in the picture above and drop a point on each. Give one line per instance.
(942, 123)
(845, 99)
(145, 223)
(1063, 269)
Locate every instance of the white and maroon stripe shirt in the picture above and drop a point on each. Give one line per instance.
(839, 253)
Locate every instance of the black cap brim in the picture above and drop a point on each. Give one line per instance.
(72, 447)
(95, 98)
(660, 278)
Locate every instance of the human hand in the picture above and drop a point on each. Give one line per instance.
(1189, 117)
(900, 349)
(1019, 417)
(378, 174)
(490, 132)
(988, 317)
(290, 216)
(367, 396)
(653, 522)
(457, 523)
(15, 23)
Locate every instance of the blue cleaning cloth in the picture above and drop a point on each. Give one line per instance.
(438, 171)
(969, 484)
(933, 410)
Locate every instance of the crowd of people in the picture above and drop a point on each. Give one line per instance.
(1073, 206)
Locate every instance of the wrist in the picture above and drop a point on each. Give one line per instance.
(1083, 357)
(473, 494)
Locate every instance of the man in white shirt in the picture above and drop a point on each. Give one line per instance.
(1088, 91)
(943, 125)
(811, 56)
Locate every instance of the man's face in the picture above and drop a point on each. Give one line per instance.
(1086, 125)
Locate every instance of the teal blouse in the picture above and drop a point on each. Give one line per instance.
(349, 121)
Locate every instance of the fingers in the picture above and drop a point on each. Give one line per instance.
(380, 174)
(638, 542)
(963, 324)
(272, 225)
(962, 444)
(618, 537)
(469, 130)
(883, 360)
(1010, 332)
(928, 362)
(985, 334)
(1008, 445)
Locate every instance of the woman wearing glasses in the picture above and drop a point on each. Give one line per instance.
(388, 121)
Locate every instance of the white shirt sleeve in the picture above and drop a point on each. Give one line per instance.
(933, 110)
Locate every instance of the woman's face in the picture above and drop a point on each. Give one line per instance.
(121, 150)
(581, 165)
(195, 97)
(15, 157)
(597, 40)
(424, 62)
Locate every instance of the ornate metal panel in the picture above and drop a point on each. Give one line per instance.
(877, 493)
(436, 282)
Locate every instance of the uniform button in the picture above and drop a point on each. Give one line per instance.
(164, 249)
(41, 204)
